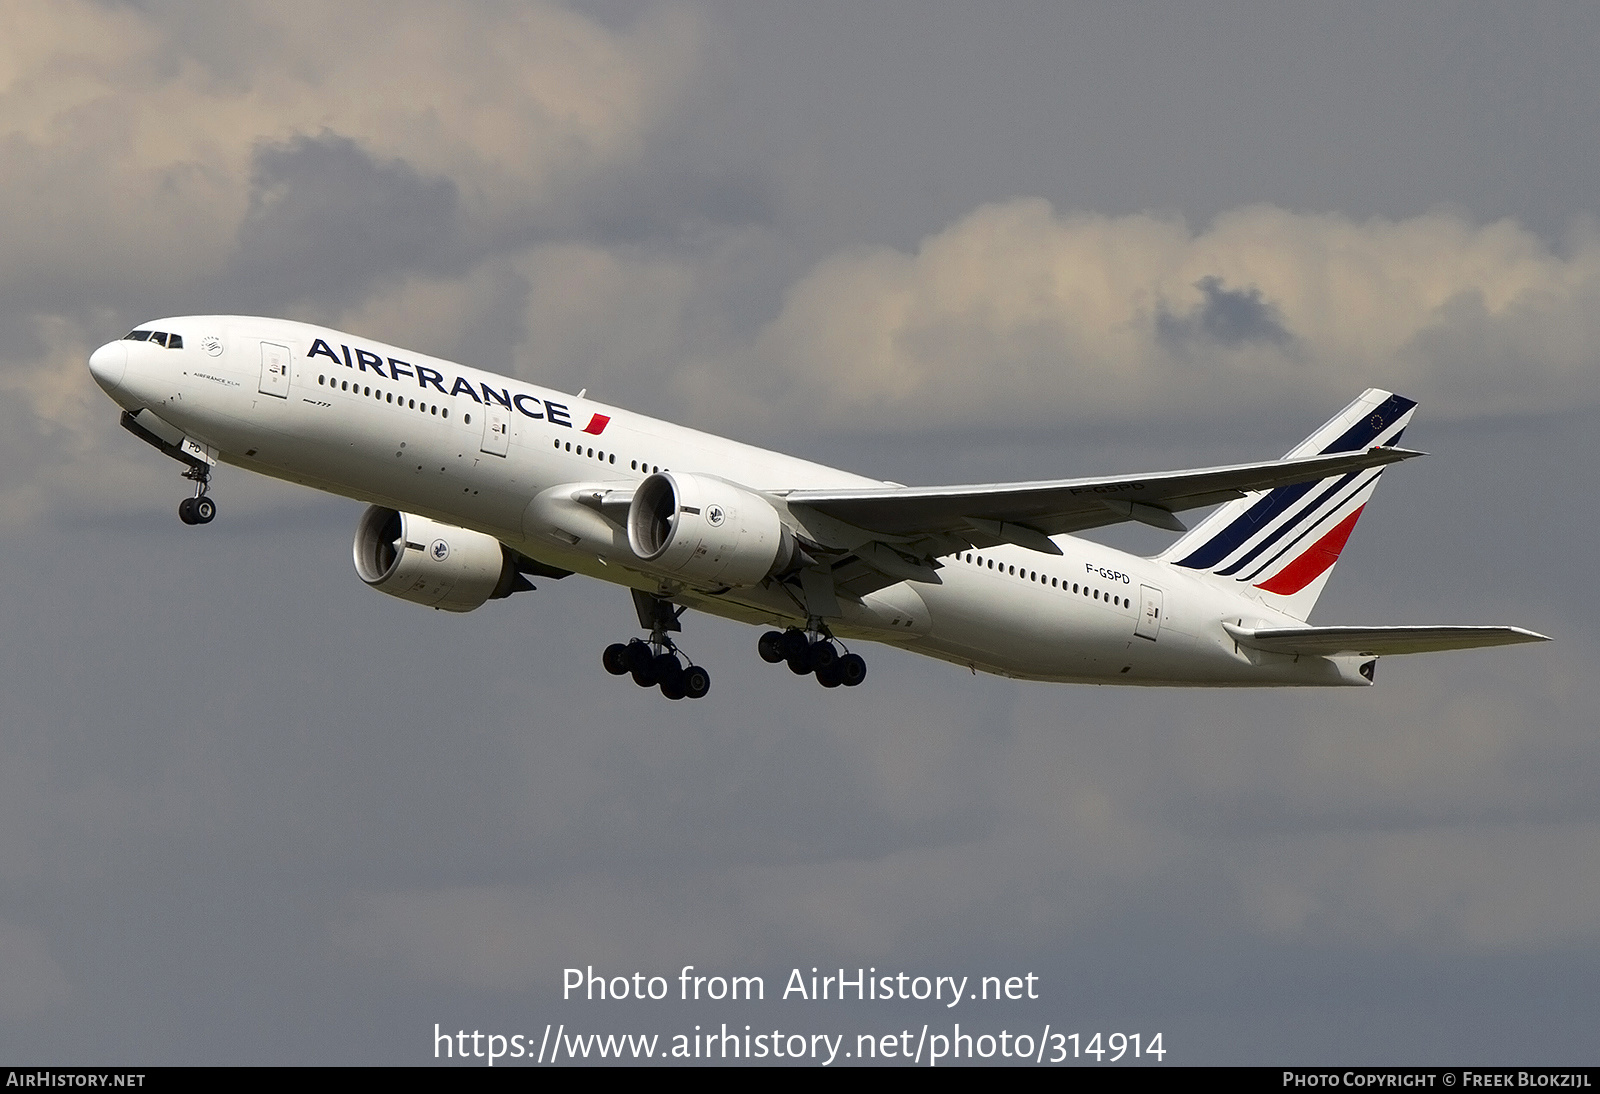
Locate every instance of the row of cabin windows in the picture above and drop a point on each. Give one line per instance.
(603, 457)
(389, 397)
(444, 412)
(159, 337)
(1055, 583)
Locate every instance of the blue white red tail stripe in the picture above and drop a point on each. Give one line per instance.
(1343, 487)
(1284, 542)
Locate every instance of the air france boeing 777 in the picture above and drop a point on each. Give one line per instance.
(475, 482)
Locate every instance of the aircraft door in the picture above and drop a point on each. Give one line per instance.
(496, 430)
(275, 370)
(1149, 624)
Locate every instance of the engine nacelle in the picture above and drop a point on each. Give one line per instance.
(426, 562)
(707, 531)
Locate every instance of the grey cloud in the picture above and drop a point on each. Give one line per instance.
(31, 981)
(670, 196)
(1224, 317)
(327, 220)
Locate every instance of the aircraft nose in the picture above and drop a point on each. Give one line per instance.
(108, 363)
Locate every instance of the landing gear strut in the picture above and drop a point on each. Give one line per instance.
(813, 651)
(199, 509)
(656, 662)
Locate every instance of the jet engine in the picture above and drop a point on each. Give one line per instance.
(708, 531)
(426, 562)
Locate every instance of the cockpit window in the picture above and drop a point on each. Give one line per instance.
(160, 337)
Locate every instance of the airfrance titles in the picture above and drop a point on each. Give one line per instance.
(531, 406)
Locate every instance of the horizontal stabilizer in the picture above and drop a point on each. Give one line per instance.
(1376, 641)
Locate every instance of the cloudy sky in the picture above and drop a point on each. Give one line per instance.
(252, 812)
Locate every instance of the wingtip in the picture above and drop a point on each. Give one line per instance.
(1517, 635)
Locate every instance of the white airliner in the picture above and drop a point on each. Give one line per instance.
(475, 481)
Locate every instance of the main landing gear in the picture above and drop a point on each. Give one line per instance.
(656, 662)
(813, 651)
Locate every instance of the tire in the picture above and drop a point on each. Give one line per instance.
(615, 659)
(799, 666)
(696, 682)
(770, 647)
(794, 644)
(186, 511)
(831, 676)
(639, 657)
(822, 655)
(673, 689)
(204, 510)
(668, 671)
(645, 676)
(852, 670)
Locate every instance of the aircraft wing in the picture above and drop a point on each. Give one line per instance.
(1026, 513)
(1377, 641)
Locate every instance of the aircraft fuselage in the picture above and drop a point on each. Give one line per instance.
(468, 448)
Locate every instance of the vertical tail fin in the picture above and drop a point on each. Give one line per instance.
(1283, 543)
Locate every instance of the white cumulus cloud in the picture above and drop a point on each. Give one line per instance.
(1018, 313)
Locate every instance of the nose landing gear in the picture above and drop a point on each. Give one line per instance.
(813, 651)
(656, 662)
(200, 509)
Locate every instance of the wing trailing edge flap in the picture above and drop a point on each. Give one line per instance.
(1376, 641)
(1027, 513)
